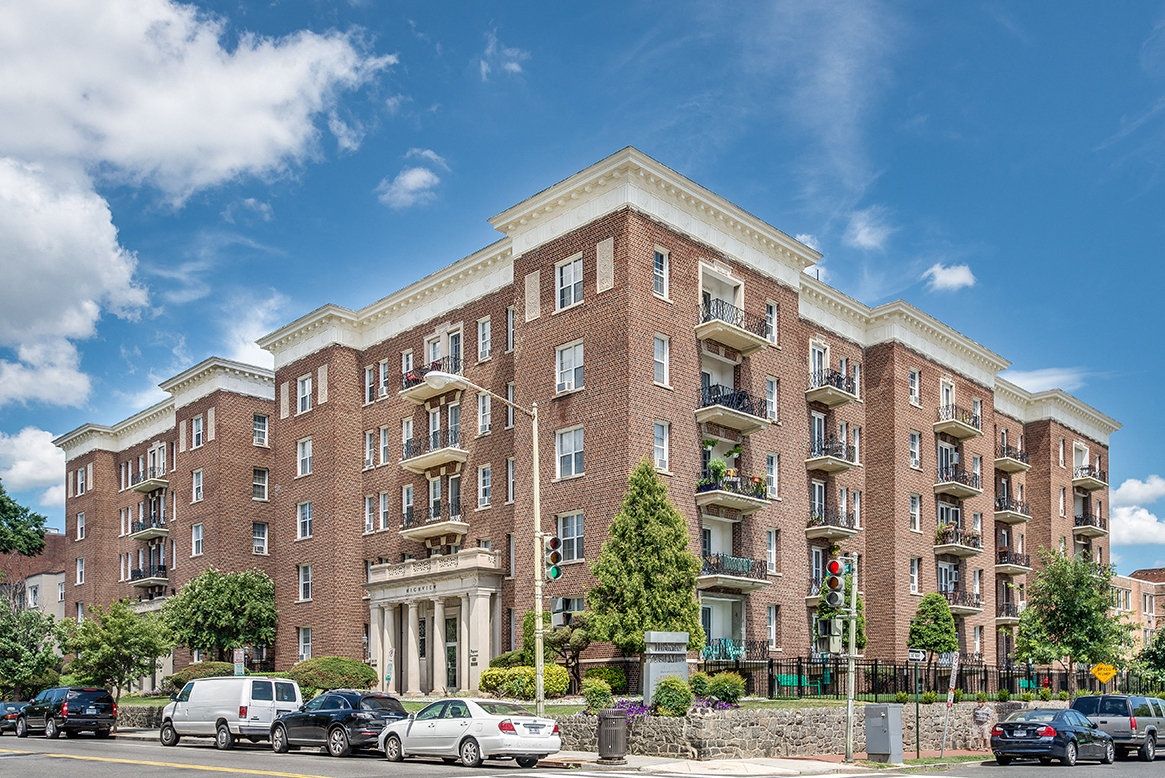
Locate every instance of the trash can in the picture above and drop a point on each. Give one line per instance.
(612, 736)
(884, 733)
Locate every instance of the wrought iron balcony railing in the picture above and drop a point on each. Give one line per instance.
(957, 475)
(152, 571)
(431, 514)
(1013, 505)
(723, 564)
(450, 364)
(1007, 610)
(830, 517)
(831, 447)
(1010, 452)
(749, 486)
(1088, 519)
(1008, 557)
(736, 399)
(951, 534)
(1088, 471)
(150, 522)
(962, 599)
(834, 378)
(955, 413)
(723, 311)
(148, 474)
(433, 441)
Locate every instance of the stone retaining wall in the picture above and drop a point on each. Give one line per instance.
(139, 716)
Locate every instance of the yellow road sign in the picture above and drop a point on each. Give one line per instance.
(1103, 672)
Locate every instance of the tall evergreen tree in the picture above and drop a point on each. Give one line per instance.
(646, 573)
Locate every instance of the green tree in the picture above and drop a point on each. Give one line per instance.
(220, 611)
(115, 646)
(933, 627)
(826, 612)
(527, 650)
(569, 643)
(646, 574)
(21, 530)
(29, 642)
(1152, 657)
(1068, 619)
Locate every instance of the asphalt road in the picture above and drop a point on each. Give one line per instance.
(1133, 768)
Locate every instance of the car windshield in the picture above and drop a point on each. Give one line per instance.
(88, 696)
(504, 709)
(1033, 715)
(1086, 705)
(384, 704)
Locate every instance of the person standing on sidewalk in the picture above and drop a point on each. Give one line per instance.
(981, 716)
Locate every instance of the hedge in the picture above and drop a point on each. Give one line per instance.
(614, 676)
(200, 670)
(518, 682)
(331, 672)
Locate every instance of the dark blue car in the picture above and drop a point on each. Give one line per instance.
(342, 720)
(1047, 734)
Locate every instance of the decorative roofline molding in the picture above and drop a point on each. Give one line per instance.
(1058, 406)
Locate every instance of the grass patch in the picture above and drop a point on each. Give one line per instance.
(926, 760)
(130, 699)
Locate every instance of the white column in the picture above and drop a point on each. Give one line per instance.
(479, 637)
(413, 665)
(438, 648)
(463, 645)
(376, 642)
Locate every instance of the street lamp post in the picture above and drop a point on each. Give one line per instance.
(439, 380)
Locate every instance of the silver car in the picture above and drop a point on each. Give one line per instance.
(472, 731)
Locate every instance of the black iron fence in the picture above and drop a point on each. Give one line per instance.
(834, 378)
(748, 486)
(431, 513)
(150, 522)
(736, 399)
(726, 312)
(955, 413)
(1008, 557)
(450, 364)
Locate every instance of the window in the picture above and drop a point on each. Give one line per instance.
(369, 449)
(772, 614)
(510, 479)
(1061, 452)
(304, 456)
(662, 360)
(384, 453)
(915, 391)
(570, 283)
(660, 273)
(258, 537)
(662, 434)
(435, 496)
(857, 380)
(1061, 500)
(771, 323)
(259, 484)
(977, 522)
(570, 452)
(406, 361)
(979, 639)
(80, 526)
(304, 643)
(196, 540)
(80, 613)
(34, 596)
(915, 449)
(857, 497)
(858, 445)
(369, 513)
(772, 386)
(570, 530)
(772, 474)
(483, 413)
(817, 498)
(483, 478)
(196, 486)
(304, 524)
(60, 592)
(406, 505)
(304, 582)
(510, 408)
(80, 570)
(382, 366)
(369, 384)
(916, 512)
(510, 554)
(122, 559)
(569, 360)
(483, 339)
(977, 585)
(196, 430)
(509, 329)
(260, 429)
(771, 548)
(454, 497)
(915, 564)
(304, 393)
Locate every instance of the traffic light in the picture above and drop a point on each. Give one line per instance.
(834, 586)
(829, 635)
(550, 545)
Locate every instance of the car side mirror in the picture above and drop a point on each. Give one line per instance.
(301, 707)
(173, 696)
(1093, 725)
(412, 716)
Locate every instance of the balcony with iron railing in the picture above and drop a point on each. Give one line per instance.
(958, 482)
(1011, 460)
(723, 322)
(152, 575)
(746, 494)
(1089, 478)
(1008, 562)
(436, 519)
(149, 528)
(732, 649)
(439, 447)
(414, 388)
(958, 422)
(1009, 510)
(830, 524)
(956, 541)
(963, 603)
(1007, 613)
(831, 456)
(149, 480)
(732, 408)
(831, 388)
(731, 572)
(1090, 525)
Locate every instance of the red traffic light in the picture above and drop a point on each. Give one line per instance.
(833, 567)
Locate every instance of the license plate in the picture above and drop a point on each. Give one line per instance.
(534, 729)
(90, 711)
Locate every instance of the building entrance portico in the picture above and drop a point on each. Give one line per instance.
(436, 619)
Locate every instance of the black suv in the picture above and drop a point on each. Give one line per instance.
(341, 719)
(68, 709)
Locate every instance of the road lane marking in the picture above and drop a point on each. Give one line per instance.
(208, 768)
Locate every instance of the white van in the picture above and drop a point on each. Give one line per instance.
(227, 708)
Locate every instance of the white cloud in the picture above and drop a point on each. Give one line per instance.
(809, 240)
(348, 137)
(948, 278)
(1066, 378)
(29, 460)
(869, 229)
(429, 155)
(394, 103)
(54, 496)
(412, 186)
(248, 318)
(1136, 492)
(504, 57)
(1135, 526)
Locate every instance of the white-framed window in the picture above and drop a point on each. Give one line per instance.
(977, 408)
(977, 521)
(772, 397)
(61, 592)
(406, 433)
(510, 408)
(80, 526)
(946, 394)
(382, 384)
(660, 273)
(384, 446)
(772, 474)
(259, 537)
(857, 498)
(406, 361)
(662, 360)
(569, 367)
(977, 466)
(260, 429)
(122, 517)
(34, 597)
(483, 339)
(196, 433)
(369, 449)
(303, 525)
(771, 322)
(662, 437)
(915, 387)
(369, 513)
(1061, 500)
(978, 638)
(817, 497)
(1061, 452)
(196, 540)
(772, 623)
(80, 613)
(303, 392)
(483, 486)
(304, 582)
(569, 283)
(483, 413)
(121, 571)
(80, 570)
(510, 479)
(858, 445)
(510, 328)
(915, 449)
(196, 486)
(406, 505)
(569, 445)
(304, 643)
(303, 457)
(916, 512)
(81, 481)
(454, 496)
(915, 566)
(570, 531)
(857, 380)
(435, 496)
(771, 537)
(369, 384)
(977, 582)
(259, 483)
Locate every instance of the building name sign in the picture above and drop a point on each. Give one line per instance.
(421, 589)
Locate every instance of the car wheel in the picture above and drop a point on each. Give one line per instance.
(1069, 757)
(99, 733)
(168, 735)
(21, 728)
(527, 761)
(338, 742)
(470, 753)
(1148, 751)
(279, 740)
(392, 751)
(1003, 760)
(1109, 754)
(50, 728)
(224, 740)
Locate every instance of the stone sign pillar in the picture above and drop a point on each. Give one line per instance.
(666, 654)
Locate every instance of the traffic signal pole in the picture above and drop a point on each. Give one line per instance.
(852, 656)
(539, 660)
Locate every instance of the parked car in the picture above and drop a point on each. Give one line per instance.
(1047, 734)
(472, 730)
(8, 711)
(1133, 721)
(227, 708)
(68, 709)
(341, 719)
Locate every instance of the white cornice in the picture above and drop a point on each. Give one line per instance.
(216, 374)
(142, 426)
(1058, 406)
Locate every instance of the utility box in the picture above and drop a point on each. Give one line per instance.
(666, 654)
(884, 733)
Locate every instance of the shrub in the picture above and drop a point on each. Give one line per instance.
(928, 698)
(980, 696)
(200, 670)
(901, 698)
(727, 687)
(331, 672)
(1062, 696)
(1045, 694)
(518, 682)
(958, 695)
(672, 697)
(1003, 696)
(700, 684)
(596, 692)
(492, 679)
(1026, 696)
(510, 659)
(614, 676)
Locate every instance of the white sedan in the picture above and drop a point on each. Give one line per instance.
(472, 730)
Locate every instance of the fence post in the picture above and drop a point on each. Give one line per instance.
(875, 680)
(772, 680)
(800, 677)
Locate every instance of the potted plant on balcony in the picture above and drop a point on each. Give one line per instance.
(759, 487)
(734, 451)
(717, 470)
(709, 444)
(944, 534)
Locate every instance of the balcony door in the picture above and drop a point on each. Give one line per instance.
(434, 498)
(455, 425)
(818, 362)
(817, 563)
(817, 430)
(817, 498)
(435, 429)
(948, 577)
(948, 457)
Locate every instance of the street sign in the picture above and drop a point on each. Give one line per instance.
(916, 655)
(1103, 672)
(239, 659)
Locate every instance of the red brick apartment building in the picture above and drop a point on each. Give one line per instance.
(647, 317)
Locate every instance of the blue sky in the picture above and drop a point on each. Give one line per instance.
(177, 180)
